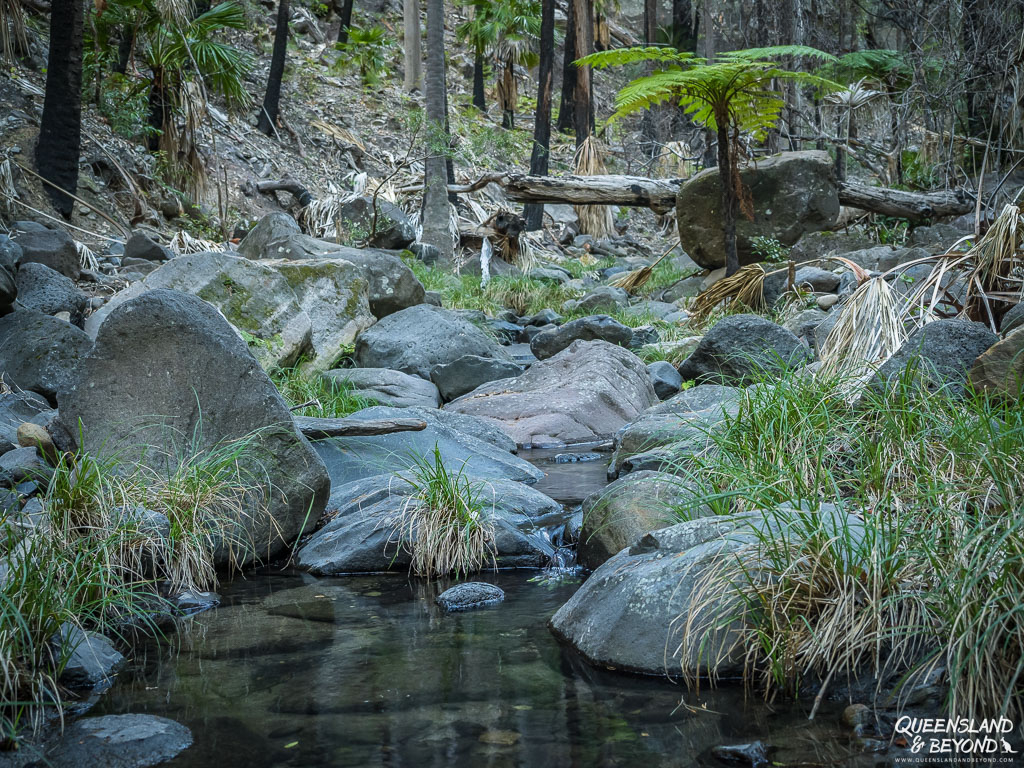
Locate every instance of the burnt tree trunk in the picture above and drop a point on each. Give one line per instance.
(534, 213)
(649, 124)
(435, 187)
(567, 105)
(583, 120)
(60, 132)
(346, 21)
(479, 96)
(272, 101)
(729, 197)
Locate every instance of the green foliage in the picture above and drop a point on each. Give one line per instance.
(769, 249)
(328, 398)
(445, 525)
(369, 50)
(496, 24)
(890, 230)
(738, 90)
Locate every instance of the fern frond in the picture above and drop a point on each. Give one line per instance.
(620, 57)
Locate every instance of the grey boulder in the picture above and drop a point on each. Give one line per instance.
(91, 658)
(387, 387)
(583, 394)
(40, 353)
(119, 741)
(52, 247)
(390, 228)
(141, 246)
(167, 371)
(416, 339)
(742, 349)
(664, 378)
(468, 372)
(470, 595)
(44, 290)
(593, 328)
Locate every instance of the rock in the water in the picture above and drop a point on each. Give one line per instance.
(468, 372)
(593, 328)
(334, 294)
(754, 754)
(742, 349)
(605, 298)
(393, 229)
(940, 355)
(38, 352)
(462, 444)
(91, 658)
(119, 741)
(416, 339)
(472, 594)
(392, 285)
(388, 387)
(793, 193)
(169, 372)
(44, 290)
(253, 297)
(584, 393)
(665, 379)
(999, 370)
(362, 536)
(52, 247)
(140, 246)
(618, 515)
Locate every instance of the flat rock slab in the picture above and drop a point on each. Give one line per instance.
(119, 741)
(472, 594)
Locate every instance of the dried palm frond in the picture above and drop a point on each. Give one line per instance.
(868, 332)
(86, 257)
(183, 243)
(595, 220)
(12, 30)
(992, 272)
(634, 280)
(8, 192)
(745, 288)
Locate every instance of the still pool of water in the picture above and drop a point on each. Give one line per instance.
(293, 670)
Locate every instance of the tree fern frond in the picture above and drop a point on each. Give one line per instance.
(619, 57)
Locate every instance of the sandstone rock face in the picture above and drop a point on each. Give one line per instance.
(168, 374)
(793, 193)
(584, 393)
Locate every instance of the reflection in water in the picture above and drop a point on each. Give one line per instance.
(367, 671)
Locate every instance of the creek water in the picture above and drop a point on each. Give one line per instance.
(293, 670)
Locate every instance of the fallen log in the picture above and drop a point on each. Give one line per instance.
(301, 194)
(660, 194)
(317, 429)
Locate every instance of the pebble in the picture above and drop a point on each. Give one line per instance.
(827, 301)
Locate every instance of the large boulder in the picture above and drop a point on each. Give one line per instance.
(117, 741)
(38, 352)
(595, 327)
(940, 356)
(468, 372)
(1000, 369)
(660, 440)
(10, 252)
(631, 613)
(792, 194)
(742, 349)
(618, 515)
(416, 339)
(392, 285)
(582, 394)
(52, 247)
(393, 230)
(334, 293)
(168, 374)
(388, 387)
(363, 533)
(255, 299)
(463, 442)
(45, 290)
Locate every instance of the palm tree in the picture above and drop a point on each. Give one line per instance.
(60, 131)
(435, 216)
(272, 101)
(412, 47)
(534, 212)
(735, 95)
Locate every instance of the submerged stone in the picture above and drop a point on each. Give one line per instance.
(472, 594)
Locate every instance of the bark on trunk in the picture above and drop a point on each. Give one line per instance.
(649, 124)
(479, 96)
(272, 100)
(534, 212)
(60, 132)
(413, 49)
(507, 94)
(728, 184)
(567, 105)
(435, 187)
(583, 114)
(346, 21)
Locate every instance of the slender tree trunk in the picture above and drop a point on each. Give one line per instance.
(435, 188)
(413, 49)
(584, 115)
(272, 101)
(508, 95)
(60, 132)
(729, 197)
(567, 106)
(125, 46)
(346, 20)
(534, 213)
(649, 124)
(684, 26)
(479, 95)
